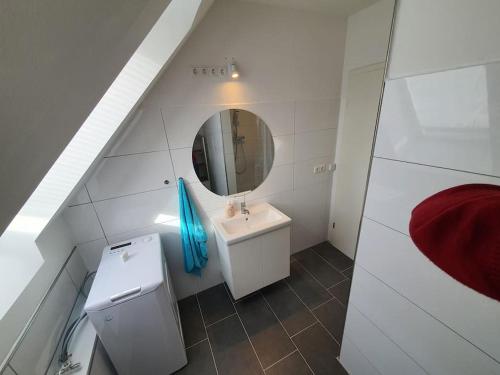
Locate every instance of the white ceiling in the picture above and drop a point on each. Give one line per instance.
(341, 7)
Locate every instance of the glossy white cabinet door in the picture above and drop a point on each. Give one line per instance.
(448, 119)
(377, 348)
(396, 188)
(244, 267)
(433, 345)
(275, 255)
(393, 258)
(252, 264)
(353, 360)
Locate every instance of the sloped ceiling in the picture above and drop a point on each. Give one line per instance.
(340, 7)
(57, 58)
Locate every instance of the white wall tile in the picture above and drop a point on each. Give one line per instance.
(182, 123)
(381, 352)
(395, 188)
(123, 175)
(76, 269)
(204, 199)
(137, 210)
(83, 223)
(283, 149)
(280, 178)
(278, 116)
(316, 114)
(80, 197)
(447, 119)
(315, 144)
(313, 32)
(183, 164)
(35, 352)
(310, 223)
(91, 253)
(283, 201)
(303, 172)
(8, 371)
(144, 132)
(434, 346)
(353, 360)
(393, 258)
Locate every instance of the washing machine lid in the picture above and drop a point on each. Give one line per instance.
(128, 269)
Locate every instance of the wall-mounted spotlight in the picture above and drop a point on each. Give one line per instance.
(233, 70)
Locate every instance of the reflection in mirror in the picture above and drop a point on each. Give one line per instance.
(233, 152)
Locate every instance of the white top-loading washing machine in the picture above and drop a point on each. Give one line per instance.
(133, 308)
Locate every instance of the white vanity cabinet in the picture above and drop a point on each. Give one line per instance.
(254, 250)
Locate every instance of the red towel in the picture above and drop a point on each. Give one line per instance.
(458, 229)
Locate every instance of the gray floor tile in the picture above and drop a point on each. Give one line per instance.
(319, 350)
(348, 272)
(200, 361)
(294, 315)
(192, 323)
(334, 256)
(325, 273)
(240, 299)
(291, 365)
(215, 304)
(308, 289)
(232, 351)
(332, 315)
(341, 291)
(268, 337)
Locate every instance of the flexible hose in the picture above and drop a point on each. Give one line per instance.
(68, 333)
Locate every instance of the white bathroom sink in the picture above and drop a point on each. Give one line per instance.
(262, 218)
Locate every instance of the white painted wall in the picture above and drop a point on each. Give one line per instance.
(291, 70)
(367, 41)
(417, 318)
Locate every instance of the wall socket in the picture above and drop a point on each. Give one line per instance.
(214, 71)
(319, 169)
(322, 168)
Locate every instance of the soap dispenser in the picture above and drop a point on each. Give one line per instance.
(229, 209)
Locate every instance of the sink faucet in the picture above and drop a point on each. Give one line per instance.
(244, 209)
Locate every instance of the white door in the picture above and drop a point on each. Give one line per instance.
(353, 155)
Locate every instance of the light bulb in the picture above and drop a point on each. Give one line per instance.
(234, 71)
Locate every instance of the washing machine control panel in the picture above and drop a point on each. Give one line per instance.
(119, 248)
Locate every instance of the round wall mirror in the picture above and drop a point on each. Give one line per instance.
(233, 152)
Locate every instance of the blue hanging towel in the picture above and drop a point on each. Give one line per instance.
(193, 235)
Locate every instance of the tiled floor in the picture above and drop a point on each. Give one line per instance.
(291, 327)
